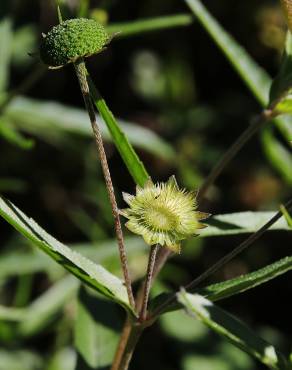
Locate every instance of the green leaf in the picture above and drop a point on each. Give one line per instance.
(181, 327)
(24, 41)
(20, 360)
(10, 184)
(256, 79)
(286, 215)
(234, 286)
(51, 121)
(149, 25)
(280, 97)
(134, 165)
(9, 133)
(245, 282)
(96, 331)
(90, 273)
(279, 155)
(63, 359)
(5, 51)
(232, 329)
(240, 223)
(104, 253)
(41, 312)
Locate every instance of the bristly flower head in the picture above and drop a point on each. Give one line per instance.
(71, 40)
(163, 214)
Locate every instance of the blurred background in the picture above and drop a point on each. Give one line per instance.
(182, 105)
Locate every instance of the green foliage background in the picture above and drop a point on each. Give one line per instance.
(182, 105)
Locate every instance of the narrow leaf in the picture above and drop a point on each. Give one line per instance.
(51, 121)
(228, 288)
(232, 329)
(20, 360)
(42, 311)
(245, 282)
(96, 331)
(279, 155)
(104, 253)
(5, 51)
(280, 96)
(286, 215)
(9, 133)
(134, 164)
(149, 25)
(240, 223)
(256, 79)
(90, 273)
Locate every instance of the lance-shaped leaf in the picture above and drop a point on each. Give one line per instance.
(5, 51)
(90, 273)
(140, 26)
(131, 159)
(234, 286)
(281, 90)
(241, 223)
(232, 330)
(51, 121)
(96, 331)
(245, 282)
(256, 79)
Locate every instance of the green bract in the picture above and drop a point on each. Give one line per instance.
(71, 40)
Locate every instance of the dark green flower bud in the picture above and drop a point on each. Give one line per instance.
(71, 40)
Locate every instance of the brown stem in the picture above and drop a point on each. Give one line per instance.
(135, 332)
(233, 150)
(161, 257)
(122, 343)
(148, 281)
(82, 78)
(228, 257)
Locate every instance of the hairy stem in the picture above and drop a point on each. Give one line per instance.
(82, 78)
(233, 150)
(148, 281)
(228, 257)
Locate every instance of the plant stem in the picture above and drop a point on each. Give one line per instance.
(82, 78)
(228, 257)
(148, 281)
(133, 337)
(140, 301)
(122, 343)
(259, 121)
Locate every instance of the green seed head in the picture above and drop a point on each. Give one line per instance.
(71, 40)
